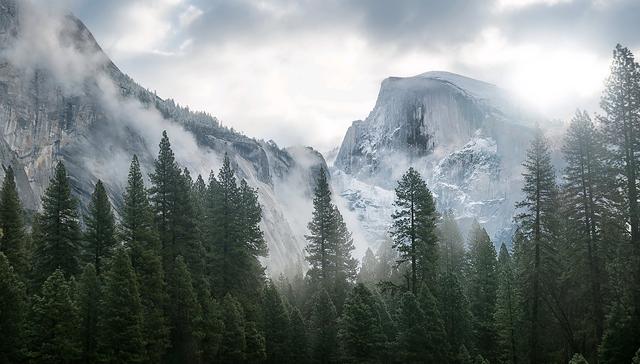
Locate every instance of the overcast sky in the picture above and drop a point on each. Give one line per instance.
(300, 71)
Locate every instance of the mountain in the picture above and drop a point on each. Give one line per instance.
(62, 99)
(466, 137)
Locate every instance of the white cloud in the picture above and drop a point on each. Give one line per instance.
(510, 5)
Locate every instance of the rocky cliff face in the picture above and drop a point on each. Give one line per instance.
(464, 136)
(61, 98)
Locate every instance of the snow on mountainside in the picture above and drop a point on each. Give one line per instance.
(466, 137)
(61, 98)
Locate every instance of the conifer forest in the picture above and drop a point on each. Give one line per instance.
(176, 274)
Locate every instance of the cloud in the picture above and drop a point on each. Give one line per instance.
(300, 71)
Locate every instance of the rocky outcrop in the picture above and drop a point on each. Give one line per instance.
(61, 98)
(464, 136)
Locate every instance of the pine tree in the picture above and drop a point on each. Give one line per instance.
(360, 330)
(153, 297)
(186, 315)
(538, 226)
(344, 265)
(321, 238)
(212, 325)
(578, 359)
(120, 326)
(59, 243)
(163, 192)
(137, 228)
(12, 314)
(100, 234)
(413, 341)
(53, 323)
(324, 340)
(12, 239)
(88, 305)
(367, 273)
(255, 351)
(452, 253)
(621, 129)
(234, 344)
(434, 324)
(482, 287)
(235, 240)
(276, 325)
(299, 343)
(453, 311)
(137, 231)
(505, 314)
(414, 229)
(585, 201)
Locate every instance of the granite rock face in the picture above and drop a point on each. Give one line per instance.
(62, 99)
(464, 136)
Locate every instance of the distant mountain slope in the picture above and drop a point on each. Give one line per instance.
(466, 137)
(61, 98)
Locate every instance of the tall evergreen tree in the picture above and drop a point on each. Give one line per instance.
(138, 232)
(299, 343)
(54, 322)
(413, 340)
(324, 335)
(451, 243)
(88, 306)
(322, 231)
(538, 226)
(360, 330)
(137, 228)
(100, 234)
(186, 316)
(436, 331)
(621, 129)
(234, 344)
(276, 325)
(453, 311)
(255, 350)
(505, 313)
(482, 282)
(12, 239)
(235, 240)
(120, 326)
(585, 201)
(12, 315)
(367, 273)
(414, 229)
(58, 246)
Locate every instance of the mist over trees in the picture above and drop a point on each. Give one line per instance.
(175, 276)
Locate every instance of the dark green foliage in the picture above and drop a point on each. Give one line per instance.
(58, 243)
(505, 313)
(453, 310)
(186, 315)
(329, 247)
(412, 341)
(88, 305)
(360, 331)
(100, 233)
(414, 229)
(324, 326)
(451, 253)
(435, 325)
(234, 343)
(255, 351)
(13, 235)
(137, 228)
(482, 283)
(235, 241)
(153, 297)
(12, 313)
(120, 326)
(538, 227)
(299, 343)
(276, 325)
(54, 322)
